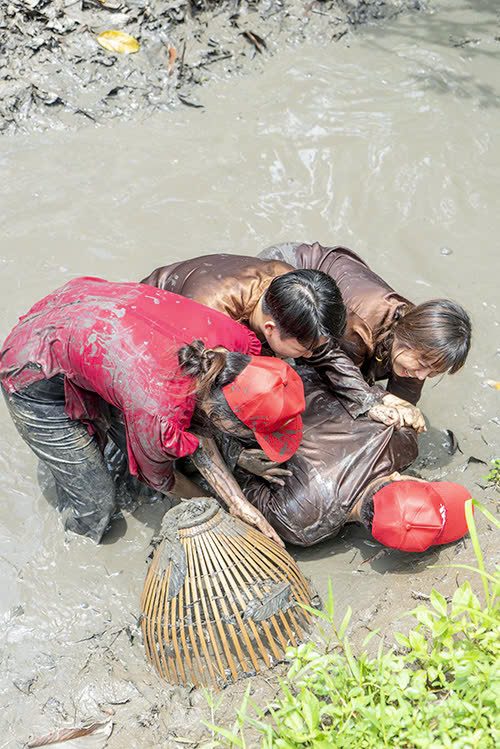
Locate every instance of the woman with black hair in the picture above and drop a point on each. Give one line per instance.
(96, 359)
(386, 335)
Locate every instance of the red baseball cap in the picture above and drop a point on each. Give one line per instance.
(413, 515)
(268, 397)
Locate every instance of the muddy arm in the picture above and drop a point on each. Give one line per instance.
(210, 464)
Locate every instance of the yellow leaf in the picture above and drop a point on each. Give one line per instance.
(493, 384)
(118, 41)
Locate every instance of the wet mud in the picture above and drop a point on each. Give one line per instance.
(387, 142)
(54, 73)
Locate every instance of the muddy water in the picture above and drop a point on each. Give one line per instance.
(388, 145)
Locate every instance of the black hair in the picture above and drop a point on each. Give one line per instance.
(367, 508)
(306, 304)
(212, 370)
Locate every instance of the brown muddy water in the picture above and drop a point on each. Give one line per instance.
(388, 144)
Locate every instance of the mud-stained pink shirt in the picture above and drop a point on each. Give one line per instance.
(118, 342)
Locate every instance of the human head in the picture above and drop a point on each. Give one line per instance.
(430, 339)
(244, 395)
(412, 515)
(302, 309)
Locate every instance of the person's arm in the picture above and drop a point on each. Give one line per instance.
(345, 380)
(407, 388)
(210, 464)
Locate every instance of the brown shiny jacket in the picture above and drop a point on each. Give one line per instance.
(371, 307)
(234, 284)
(335, 463)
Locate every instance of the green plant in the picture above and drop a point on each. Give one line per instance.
(442, 689)
(493, 477)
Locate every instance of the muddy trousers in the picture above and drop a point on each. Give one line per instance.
(85, 490)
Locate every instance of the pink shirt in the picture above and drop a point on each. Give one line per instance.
(119, 342)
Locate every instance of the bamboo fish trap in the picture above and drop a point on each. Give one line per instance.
(220, 599)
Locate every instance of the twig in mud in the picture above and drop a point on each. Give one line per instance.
(257, 41)
(464, 42)
(181, 63)
(214, 59)
(91, 637)
(376, 556)
(338, 36)
(418, 596)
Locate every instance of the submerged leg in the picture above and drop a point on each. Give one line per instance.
(85, 489)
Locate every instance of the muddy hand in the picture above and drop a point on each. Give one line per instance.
(256, 461)
(411, 415)
(247, 512)
(387, 415)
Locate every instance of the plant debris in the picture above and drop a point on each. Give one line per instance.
(61, 66)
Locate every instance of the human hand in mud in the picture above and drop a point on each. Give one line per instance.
(256, 461)
(251, 515)
(210, 464)
(387, 415)
(410, 415)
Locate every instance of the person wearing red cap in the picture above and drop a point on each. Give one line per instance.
(410, 514)
(96, 359)
(346, 471)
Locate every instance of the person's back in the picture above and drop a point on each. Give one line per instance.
(336, 461)
(117, 344)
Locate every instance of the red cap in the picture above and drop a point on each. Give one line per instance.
(413, 515)
(268, 396)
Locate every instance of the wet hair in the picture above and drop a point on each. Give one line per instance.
(306, 304)
(367, 508)
(440, 330)
(212, 371)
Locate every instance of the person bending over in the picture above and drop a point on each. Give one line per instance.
(387, 336)
(297, 313)
(96, 359)
(344, 471)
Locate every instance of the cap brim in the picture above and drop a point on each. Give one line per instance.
(453, 497)
(282, 444)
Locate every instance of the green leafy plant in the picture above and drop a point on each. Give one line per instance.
(441, 689)
(493, 477)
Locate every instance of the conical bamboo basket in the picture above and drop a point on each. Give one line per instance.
(220, 599)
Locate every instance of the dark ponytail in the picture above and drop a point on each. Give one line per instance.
(212, 369)
(204, 364)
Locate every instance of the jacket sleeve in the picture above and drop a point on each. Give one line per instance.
(345, 380)
(408, 388)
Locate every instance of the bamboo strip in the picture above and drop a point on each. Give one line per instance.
(208, 559)
(209, 538)
(187, 609)
(228, 545)
(196, 595)
(203, 590)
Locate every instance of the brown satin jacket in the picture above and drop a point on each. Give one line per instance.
(371, 304)
(234, 284)
(336, 461)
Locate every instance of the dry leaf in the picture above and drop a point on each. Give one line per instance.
(172, 57)
(493, 384)
(118, 41)
(93, 736)
(257, 41)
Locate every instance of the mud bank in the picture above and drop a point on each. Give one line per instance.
(54, 73)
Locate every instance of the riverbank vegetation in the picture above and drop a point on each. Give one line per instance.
(440, 688)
